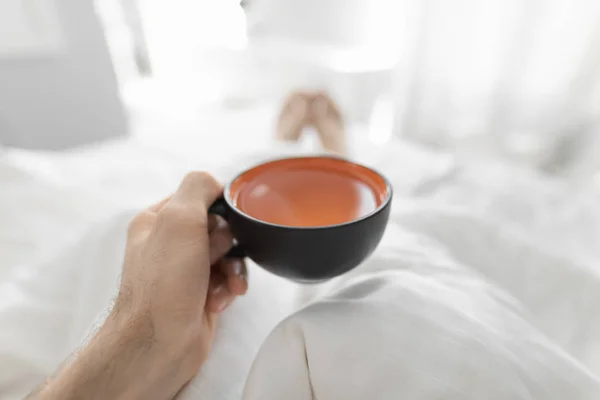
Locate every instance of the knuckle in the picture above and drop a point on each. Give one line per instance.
(137, 223)
(173, 215)
(132, 228)
(200, 177)
(221, 242)
(177, 217)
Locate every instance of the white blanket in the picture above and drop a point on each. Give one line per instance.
(465, 298)
(516, 324)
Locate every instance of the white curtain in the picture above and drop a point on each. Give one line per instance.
(512, 77)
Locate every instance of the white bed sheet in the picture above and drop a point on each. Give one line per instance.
(484, 215)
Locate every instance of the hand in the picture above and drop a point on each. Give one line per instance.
(174, 284)
(167, 277)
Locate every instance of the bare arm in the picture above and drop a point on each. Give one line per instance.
(174, 284)
(120, 362)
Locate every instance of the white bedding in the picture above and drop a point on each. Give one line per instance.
(527, 243)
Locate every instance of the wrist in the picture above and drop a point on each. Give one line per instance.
(173, 340)
(149, 368)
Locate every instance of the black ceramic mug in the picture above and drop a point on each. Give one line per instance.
(307, 219)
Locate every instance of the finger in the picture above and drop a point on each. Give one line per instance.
(219, 296)
(220, 242)
(236, 273)
(211, 322)
(185, 214)
(213, 222)
(197, 192)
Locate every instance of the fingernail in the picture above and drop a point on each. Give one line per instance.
(223, 304)
(238, 268)
(217, 289)
(240, 271)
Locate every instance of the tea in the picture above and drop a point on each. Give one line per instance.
(309, 192)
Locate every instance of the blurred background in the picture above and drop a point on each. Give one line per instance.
(515, 79)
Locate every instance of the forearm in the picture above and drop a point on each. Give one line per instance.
(120, 362)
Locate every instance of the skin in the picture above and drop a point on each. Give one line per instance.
(327, 118)
(317, 109)
(174, 284)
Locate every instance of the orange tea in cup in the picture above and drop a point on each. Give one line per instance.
(308, 192)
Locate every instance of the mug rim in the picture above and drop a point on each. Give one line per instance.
(383, 205)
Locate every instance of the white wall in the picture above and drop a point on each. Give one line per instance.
(62, 91)
(29, 27)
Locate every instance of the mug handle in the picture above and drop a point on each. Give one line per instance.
(221, 208)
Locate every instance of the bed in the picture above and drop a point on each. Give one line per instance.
(491, 217)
